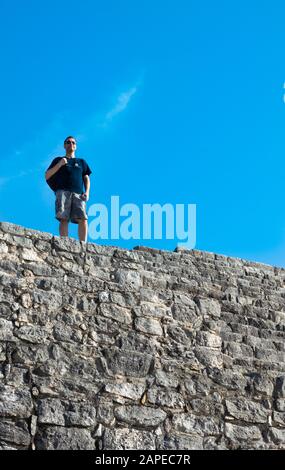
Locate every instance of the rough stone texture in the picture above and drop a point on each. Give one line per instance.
(106, 348)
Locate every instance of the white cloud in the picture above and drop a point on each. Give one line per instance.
(40, 144)
(121, 104)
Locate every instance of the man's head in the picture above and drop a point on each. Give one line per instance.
(70, 144)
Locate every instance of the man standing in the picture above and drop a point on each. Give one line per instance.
(66, 177)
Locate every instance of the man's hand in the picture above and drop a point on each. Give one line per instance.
(49, 173)
(85, 196)
(63, 161)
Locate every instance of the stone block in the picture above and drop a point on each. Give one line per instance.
(15, 402)
(149, 326)
(248, 411)
(128, 439)
(15, 433)
(60, 438)
(143, 416)
(129, 364)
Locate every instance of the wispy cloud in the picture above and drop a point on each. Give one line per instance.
(6, 179)
(41, 144)
(121, 104)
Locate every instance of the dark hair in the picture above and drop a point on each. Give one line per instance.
(69, 137)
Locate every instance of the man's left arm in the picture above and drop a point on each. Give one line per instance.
(86, 181)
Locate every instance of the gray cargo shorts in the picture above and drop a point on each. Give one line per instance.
(69, 206)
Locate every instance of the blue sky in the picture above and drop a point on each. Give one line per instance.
(177, 102)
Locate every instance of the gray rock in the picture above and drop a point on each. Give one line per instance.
(128, 279)
(140, 415)
(280, 404)
(32, 333)
(278, 418)
(166, 380)
(131, 364)
(210, 307)
(277, 436)
(15, 433)
(237, 433)
(165, 398)
(128, 390)
(67, 244)
(280, 386)
(6, 330)
(15, 402)
(80, 414)
(248, 411)
(109, 348)
(181, 442)
(149, 326)
(60, 438)
(120, 314)
(51, 411)
(128, 439)
(191, 424)
(209, 340)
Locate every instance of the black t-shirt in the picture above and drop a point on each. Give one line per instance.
(70, 176)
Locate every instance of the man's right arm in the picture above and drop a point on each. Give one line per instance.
(49, 173)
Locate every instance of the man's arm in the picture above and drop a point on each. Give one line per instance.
(49, 173)
(86, 181)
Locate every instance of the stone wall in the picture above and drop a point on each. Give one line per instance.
(106, 348)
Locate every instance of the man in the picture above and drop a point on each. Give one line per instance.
(66, 177)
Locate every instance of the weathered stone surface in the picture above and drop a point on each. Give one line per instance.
(238, 433)
(148, 325)
(280, 386)
(166, 380)
(140, 415)
(128, 439)
(280, 404)
(128, 279)
(15, 402)
(15, 433)
(165, 398)
(6, 330)
(32, 334)
(181, 442)
(277, 436)
(80, 414)
(279, 418)
(211, 406)
(131, 364)
(248, 411)
(105, 412)
(67, 244)
(67, 334)
(60, 438)
(128, 390)
(154, 310)
(208, 339)
(119, 314)
(191, 424)
(51, 411)
(209, 357)
(3, 248)
(108, 348)
(228, 379)
(210, 307)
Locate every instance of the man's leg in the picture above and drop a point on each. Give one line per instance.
(82, 230)
(63, 228)
(62, 210)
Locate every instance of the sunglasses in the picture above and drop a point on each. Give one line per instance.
(70, 142)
